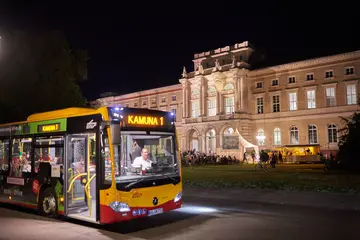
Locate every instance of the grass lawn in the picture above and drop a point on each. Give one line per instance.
(310, 177)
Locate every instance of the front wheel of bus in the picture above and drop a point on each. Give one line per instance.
(47, 204)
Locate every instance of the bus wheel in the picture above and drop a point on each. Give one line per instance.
(47, 204)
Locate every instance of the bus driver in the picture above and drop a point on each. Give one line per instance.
(143, 162)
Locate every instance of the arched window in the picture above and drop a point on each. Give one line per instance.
(277, 137)
(260, 137)
(332, 134)
(211, 90)
(312, 134)
(294, 135)
(195, 93)
(194, 140)
(211, 141)
(229, 131)
(228, 87)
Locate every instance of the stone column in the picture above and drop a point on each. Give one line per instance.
(203, 98)
(184, 101)
(187, 103)
(221, 103)
(241, 93)
(217, 103)
(236, 95)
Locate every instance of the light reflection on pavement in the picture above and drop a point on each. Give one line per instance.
(196, 220)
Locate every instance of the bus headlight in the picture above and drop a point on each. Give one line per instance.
(119, 207)
(178, 197)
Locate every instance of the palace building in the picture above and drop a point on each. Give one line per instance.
(228, 107)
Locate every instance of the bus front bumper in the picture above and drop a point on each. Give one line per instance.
(108, 215)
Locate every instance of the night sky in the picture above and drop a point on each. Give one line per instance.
(133, 49)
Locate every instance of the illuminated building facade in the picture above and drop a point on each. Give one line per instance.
(227, 107)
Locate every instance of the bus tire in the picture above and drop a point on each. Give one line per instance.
(48, 203)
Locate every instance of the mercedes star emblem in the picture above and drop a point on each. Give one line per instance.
(155, 201)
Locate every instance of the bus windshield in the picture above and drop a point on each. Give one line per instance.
(142, 155)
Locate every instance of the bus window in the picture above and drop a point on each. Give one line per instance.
(20, 157)
(158, 149)
(4, 155)
(105, 156)
(49, 149)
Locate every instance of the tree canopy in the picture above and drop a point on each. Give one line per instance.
(39, 72)
(348, 142)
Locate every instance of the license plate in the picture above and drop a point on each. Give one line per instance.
(155, 211)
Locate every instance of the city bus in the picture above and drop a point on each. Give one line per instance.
(103, 165)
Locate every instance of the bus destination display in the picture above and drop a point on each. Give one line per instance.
(141, 120)
(49, 127)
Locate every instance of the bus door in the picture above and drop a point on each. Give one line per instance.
(80, 177)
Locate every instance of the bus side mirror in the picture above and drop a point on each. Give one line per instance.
(115, 134)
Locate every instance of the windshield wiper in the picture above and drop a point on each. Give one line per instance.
(135, 182)
(171, 178)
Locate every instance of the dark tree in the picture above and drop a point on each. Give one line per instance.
(349, 142)
(39, 72)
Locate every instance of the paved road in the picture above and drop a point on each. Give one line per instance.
(198, 219)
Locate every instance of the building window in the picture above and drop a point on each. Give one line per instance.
(173, 98)
(292, 80)
(309, 77)
(135, 104)
(277, 137)
(276, 103)
(259, 85)
(195, 109)
(211, 107)
(332, 134)
(351, 94)
(144, 102)
(294, 135)
(260, 105)
(329, 74)
(211, 90)
(240, 58)
(229, 131)
(312, 134)
(275, 82)
(153, 101)
(126, 105)
(228, 87)
(163, 99)
(261, 137)
(229, 105)
(174, 112)
(349, 71)
(330, 97)
(311, 100)
(195, 93)
(293, 101)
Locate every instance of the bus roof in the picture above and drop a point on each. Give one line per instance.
(62, 113)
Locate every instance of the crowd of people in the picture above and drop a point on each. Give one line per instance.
(193, 157)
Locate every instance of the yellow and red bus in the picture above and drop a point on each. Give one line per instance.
(89, 164)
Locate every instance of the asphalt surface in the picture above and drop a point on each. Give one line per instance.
(200, 218)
